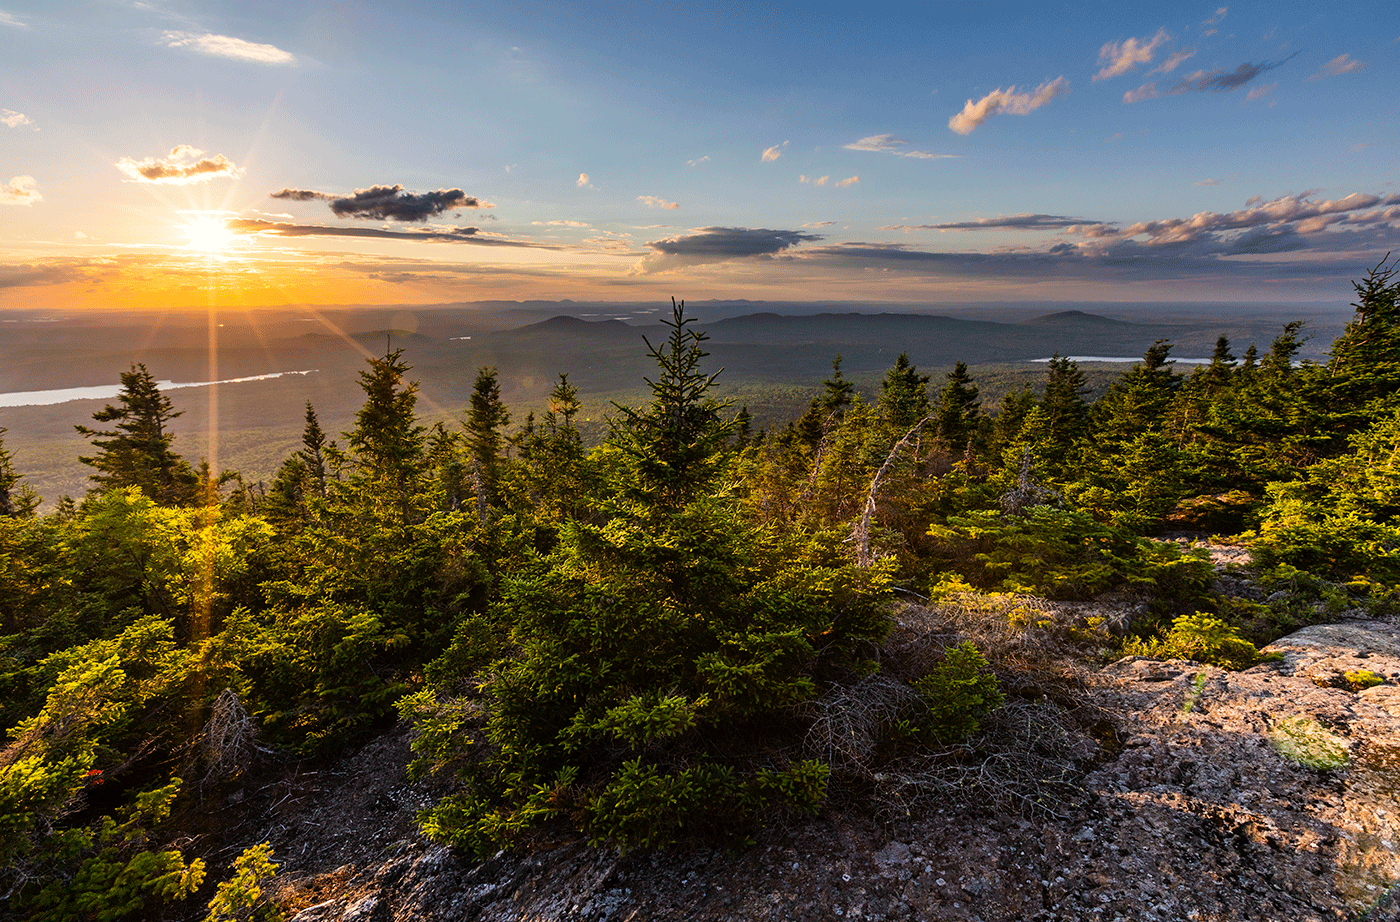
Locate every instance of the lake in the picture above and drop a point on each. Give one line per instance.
(109, 391)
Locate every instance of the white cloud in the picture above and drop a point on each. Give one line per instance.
(22, 190)
(1341, 64)
(12, 119)
(226, 46)
(697, 161)
(819, 224)
(561, 224)
(1282, 219)
(1173, 61)
(1008, 101)
(1206, 182)
(889, 144)
(774, 152)
(848, 181)
(583, 183)
(877, 142)
(1118, 58)
(7, 19)
(652, 201)
(182, 167)
(1146, 91)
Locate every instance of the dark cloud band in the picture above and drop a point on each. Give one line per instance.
(388, 203)
(454, 235)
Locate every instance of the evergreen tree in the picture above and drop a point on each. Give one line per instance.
(15, 501)
(675, 440)
(387, 442)
(903, 396)
(1222, 365)
(312, 454)
(1066, 411)
(137, 452)
(1137, 402)
(958, 409)
(486, 420)
(1365, 359)
(554, 457)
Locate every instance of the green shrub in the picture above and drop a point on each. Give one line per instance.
(958, 693)
(240, 898)
(1360, 679)
(1201, 638)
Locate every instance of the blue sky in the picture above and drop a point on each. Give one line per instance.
(179, 154)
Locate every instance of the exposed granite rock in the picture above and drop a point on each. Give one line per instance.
(1193, 814)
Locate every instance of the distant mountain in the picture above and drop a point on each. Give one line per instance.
(1078, 319)
(572, 326)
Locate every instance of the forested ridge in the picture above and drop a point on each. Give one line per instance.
(637, 640)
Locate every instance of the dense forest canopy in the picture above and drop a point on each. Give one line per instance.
(628, 640)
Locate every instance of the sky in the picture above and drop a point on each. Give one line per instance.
(193, 154)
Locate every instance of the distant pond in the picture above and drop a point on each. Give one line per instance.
(108, 391)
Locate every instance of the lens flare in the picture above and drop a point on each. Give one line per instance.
(209, 234)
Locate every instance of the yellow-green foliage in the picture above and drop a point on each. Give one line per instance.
(1360, 679)
(1305, 741)
(1201, 638)
(107, 873)
(240, 898)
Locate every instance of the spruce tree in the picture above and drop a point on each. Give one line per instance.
(675, 440)
(15, 501)
(903, 396)
(137, 451)
(387, 443)
(486, 420)
(958, 409)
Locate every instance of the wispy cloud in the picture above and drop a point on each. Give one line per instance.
(1006, 101)
(9, 19)
(1206, 182)
(847, 182)
(1341, 64)
(1118, 58)
(774, 152)
(719, 244)
(226, 46)
(889, 144)
(472, 235)
(819, 224)
(1011, 222)
(185, 165)
(22, 190)
(1259, 92)
(814, 180)
(1215, 81)
(388, 203)
(1215, 20)
(1173, 61)
(652, 201)
(12, 119)
(561, 223)
(697, 161)
(583, 182)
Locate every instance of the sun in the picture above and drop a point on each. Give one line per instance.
(209, 234)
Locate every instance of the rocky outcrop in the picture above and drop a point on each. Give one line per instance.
(1213, 800)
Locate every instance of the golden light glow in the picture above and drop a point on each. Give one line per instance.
(209, 234)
